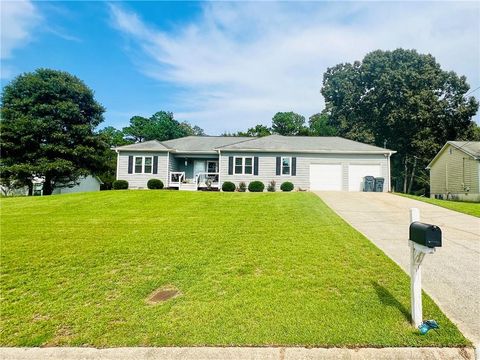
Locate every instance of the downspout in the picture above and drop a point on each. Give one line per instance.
(219, 167)
(118, 164)
(389, 174)
(168, 169)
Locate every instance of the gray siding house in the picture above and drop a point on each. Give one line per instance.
(310, 163)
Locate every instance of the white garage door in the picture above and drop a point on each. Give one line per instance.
(356, 173)
(326, 177)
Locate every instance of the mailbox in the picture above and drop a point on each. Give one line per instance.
(426, 234)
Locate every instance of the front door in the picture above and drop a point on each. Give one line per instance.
(212, 166)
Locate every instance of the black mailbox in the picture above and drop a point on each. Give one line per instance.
(426, 234)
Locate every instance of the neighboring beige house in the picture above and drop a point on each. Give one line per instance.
(455, 170)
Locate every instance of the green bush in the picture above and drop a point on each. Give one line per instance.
(242, 187)
(286, 186)
(120, 185)
(256, 186)
(228, 186)
(272, 186)
(155, 184)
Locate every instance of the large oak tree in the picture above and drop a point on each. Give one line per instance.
(402, 99)
(47, 130)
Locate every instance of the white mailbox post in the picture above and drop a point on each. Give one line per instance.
(417, 253)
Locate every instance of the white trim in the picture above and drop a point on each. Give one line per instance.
(143, 164)
(289, 165)
(311, 151)
(118, 164)
(243, 165)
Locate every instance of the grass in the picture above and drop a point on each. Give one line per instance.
(470, 208)
(253, 269)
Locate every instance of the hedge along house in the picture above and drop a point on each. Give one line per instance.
(455, 171)
(310, 163)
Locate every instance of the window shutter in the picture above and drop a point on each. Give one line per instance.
(294, 166)
(279, 161)
(230, 165)
(155, 165)
(255, 165)
(130, 164)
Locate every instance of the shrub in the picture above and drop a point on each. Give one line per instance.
(120, 185)
(256, 186)
(155, 184)
(228, 186)
(271, 186)
(242, 187)
(286, 186)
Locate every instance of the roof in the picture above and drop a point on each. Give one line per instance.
(203, 143)
(152, 145)
(471, 148)
(319, 144)
(271, 143)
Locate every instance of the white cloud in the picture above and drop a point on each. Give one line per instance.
(18, 20)
(239, 63)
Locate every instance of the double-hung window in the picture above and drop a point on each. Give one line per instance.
(286, 165)
(243, 165)
(147, 166)
(138, 164)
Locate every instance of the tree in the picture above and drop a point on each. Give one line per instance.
(288, 123)
(47, 130)
(319, 126)
(160, 126)
(113, 138)
(404, 99)
(257, 131)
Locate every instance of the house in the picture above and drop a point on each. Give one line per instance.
(310, 163)
(455, 171)
(83, 184)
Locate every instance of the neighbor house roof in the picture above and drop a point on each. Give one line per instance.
(271, 143)
(203, 144)
(471, 148)
(318, 144)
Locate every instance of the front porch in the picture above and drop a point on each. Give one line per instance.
(194, 174)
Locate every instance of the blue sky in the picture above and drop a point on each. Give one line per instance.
(225, 66)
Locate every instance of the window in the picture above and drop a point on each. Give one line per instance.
(147, 167)
(286, 161)
(244, 165)
(238, 165)
(248, 169)
(138, 164)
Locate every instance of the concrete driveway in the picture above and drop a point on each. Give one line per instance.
(451, 276)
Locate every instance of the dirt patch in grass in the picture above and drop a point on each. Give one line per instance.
(162, 294)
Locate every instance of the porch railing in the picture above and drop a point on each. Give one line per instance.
(207, 179)
(176, 178)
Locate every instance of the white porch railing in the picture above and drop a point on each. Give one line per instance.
(176, 178)
(207, 179)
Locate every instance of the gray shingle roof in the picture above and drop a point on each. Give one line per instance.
(272, 143)
(333, 144)
(152, 145)
(203, 143)
(470, 147)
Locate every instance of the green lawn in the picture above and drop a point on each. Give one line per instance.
(253, 269)
(469, 208)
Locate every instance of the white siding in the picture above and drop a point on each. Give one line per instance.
(267, 167)
(139, 181)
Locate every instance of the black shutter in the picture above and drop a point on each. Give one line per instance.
(255, 165)
(279, 161)
(130, 164)
(155, 164)
(230, 165)
(294, 166)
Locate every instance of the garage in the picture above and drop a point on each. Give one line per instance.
(326, 177)
(357, 172)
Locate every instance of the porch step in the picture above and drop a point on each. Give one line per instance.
(188, 187)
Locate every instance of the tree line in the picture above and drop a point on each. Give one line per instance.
(398, 99)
